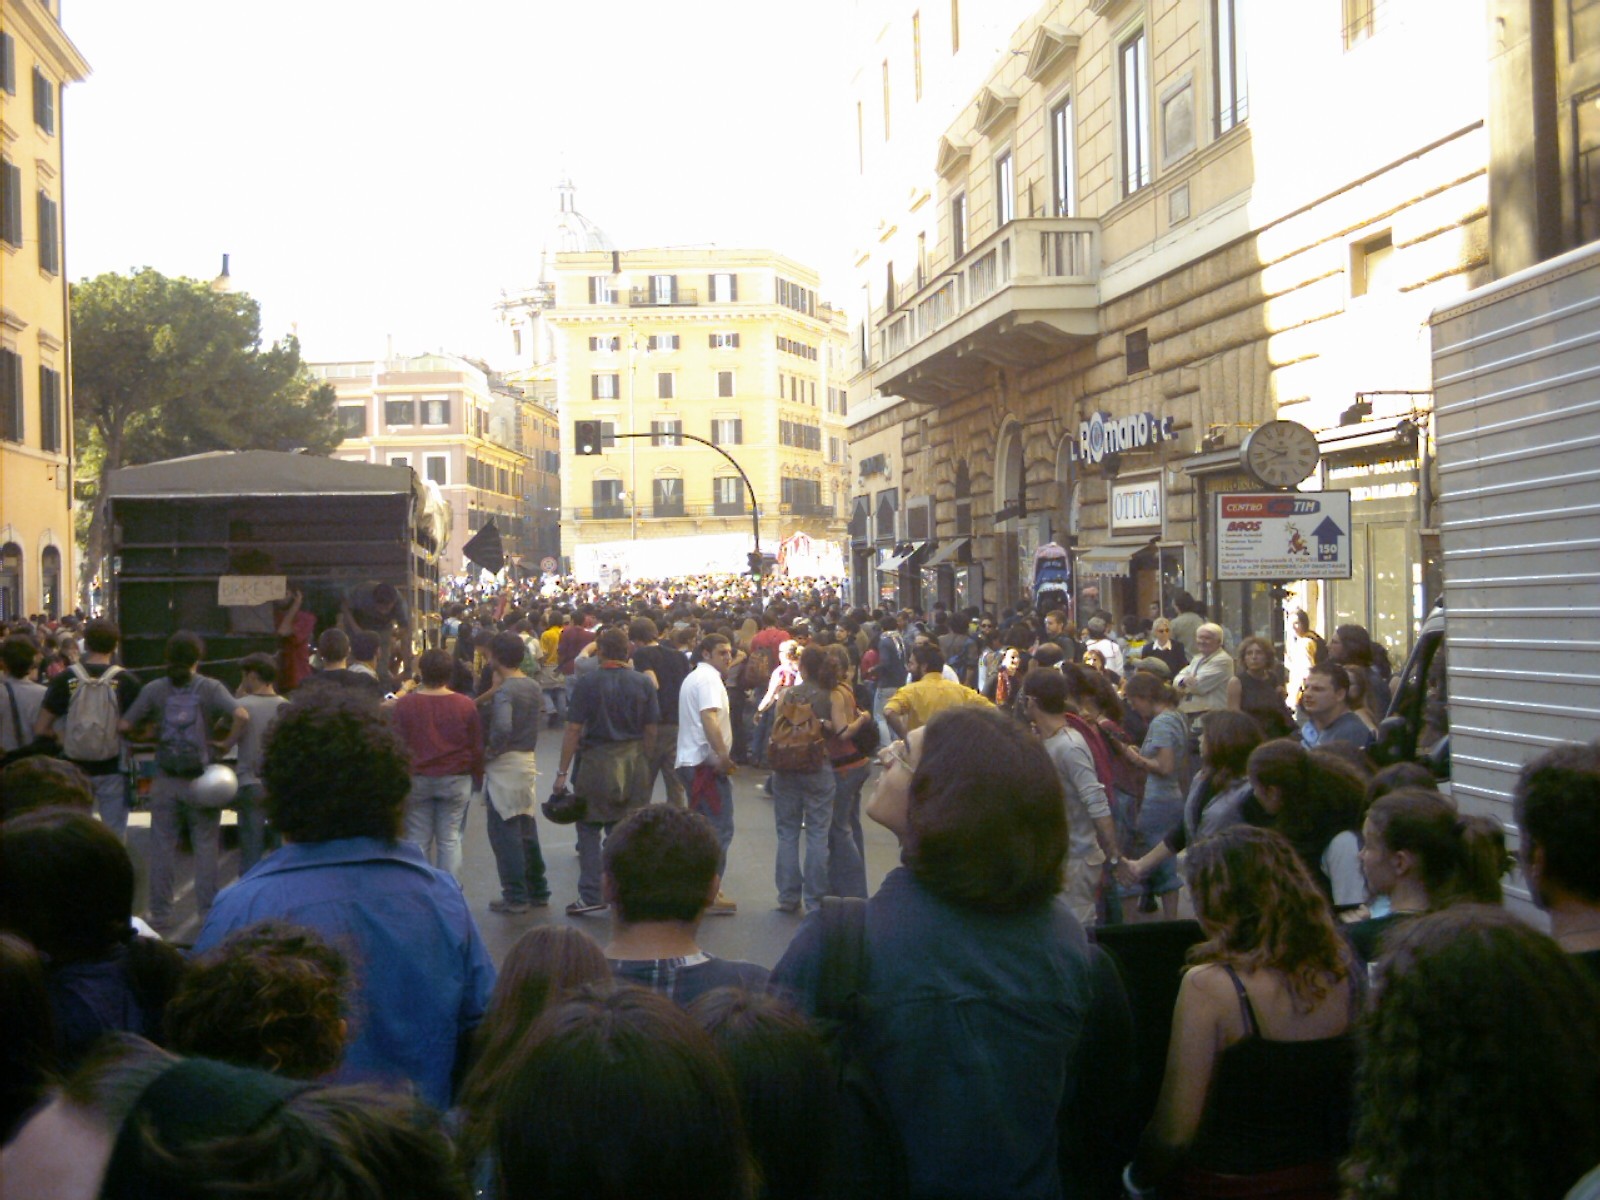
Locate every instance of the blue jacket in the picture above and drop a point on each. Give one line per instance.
(422, 975)
(975, 1032)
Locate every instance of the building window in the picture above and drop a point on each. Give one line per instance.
(602, 290)
(8, 64)
(727, 495)
(1063, 168)
(1133, 78)
(436, 410)
(1136, 350)
(666, 497)
(955, 26)
(49, 247)
(603, 385)
(886, 99)
(1229, 94)
(724, 341)
(724, 383)
(1005, 190)
(400, 412)
(662, 341)
(607, 496)
(889, 297)
(44, 102)
(663, 289)
(958, 225)
(665, 389)
(1372, 266)
(727, 431)
(666, 433)
(11, 423)
(1360, 21)
(11, 203)
(1586, 156)
(608, 344)
(916, 53)
(436, 468)
(399, 460)
(802, 495)
(353, 420)
(503, 481)
(724, 287)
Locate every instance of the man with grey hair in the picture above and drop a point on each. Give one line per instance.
(1203, 684)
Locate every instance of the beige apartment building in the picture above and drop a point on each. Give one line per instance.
(37, 62)
(1123, 234)
(731, 346)
(457, 427)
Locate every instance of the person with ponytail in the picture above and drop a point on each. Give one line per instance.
(1424, 856)
(1316, 801)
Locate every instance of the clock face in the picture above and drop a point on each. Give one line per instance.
(1281, 453)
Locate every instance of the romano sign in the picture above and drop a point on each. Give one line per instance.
(1283, 535)
(1103, 434)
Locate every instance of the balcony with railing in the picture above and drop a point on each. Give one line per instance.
(652, 297)
(1019, 297)
(623, 511)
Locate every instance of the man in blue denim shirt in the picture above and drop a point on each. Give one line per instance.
(338, 778)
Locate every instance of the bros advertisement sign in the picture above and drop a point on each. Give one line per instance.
(1283, 535)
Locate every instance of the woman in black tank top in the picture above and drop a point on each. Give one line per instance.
(1256, 1097)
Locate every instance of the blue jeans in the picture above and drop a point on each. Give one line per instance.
(758, 747)
(249, 804)
(433, 814)
(722, 821)
(880, 696)
(111, 801)
(803, 797)
(517, 856)
(205, 827)
(558, 697)
(847, 862)
(1157, 818)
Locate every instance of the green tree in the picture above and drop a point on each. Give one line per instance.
(167, 367)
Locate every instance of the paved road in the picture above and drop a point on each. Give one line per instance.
(757, 933)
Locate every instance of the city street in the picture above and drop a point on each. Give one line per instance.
(757, 933)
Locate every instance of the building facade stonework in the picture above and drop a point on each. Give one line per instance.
(1149, 227)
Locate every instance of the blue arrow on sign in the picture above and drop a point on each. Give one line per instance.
(1327, 534)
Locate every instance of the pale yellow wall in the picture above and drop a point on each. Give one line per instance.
(35, 485)
(764, 381)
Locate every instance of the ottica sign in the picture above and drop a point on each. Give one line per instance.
(1136, 505)
(1103, 434)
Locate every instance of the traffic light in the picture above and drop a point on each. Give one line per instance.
(586, 436)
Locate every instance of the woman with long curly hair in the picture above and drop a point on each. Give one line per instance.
(1316, 800)
(1480, 1067)
(1256, 1097)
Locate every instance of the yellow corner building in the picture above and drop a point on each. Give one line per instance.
(733, 346)
(37, 61)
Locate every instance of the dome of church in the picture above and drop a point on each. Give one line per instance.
(573, 232)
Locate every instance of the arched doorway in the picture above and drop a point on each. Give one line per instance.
(50, 582)
(10, 582)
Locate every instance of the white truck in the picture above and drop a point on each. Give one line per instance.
(1511, 665)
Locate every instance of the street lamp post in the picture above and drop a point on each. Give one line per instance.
(750, 489)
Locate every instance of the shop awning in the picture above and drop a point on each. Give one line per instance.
(1109, 560)
(890, 560)
(947, 552)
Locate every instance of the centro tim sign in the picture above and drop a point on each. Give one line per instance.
(1103, 434)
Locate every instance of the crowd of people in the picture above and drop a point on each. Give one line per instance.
(1016, 1011)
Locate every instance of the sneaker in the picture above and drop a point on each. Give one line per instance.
(721, 907)
(539, 901)
(788, 906)
(509, 906)
(578, 908)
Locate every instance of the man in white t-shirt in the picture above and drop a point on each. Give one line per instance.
(1100, 639)
(705, 748)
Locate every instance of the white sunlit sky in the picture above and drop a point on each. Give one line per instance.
(383, 168)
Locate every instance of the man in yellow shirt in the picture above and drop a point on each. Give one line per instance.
(927, 693)
(549, 640)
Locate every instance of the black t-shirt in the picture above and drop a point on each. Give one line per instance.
(671, 668)
(613, 704)
(58, 697)
(344, 680)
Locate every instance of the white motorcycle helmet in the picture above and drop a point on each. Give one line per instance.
(215, 787)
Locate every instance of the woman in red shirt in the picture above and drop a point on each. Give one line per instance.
(442, 731)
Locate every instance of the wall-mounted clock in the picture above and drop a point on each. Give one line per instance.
(1280, 454)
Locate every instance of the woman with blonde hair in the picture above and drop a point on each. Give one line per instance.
(1256, 1100)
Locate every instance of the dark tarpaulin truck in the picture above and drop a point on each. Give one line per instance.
(178, 527)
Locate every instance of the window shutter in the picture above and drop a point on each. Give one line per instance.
(8, 64)
(736, 341)
(738, 431)
(711, 287)
(11, 203)
(733, 288)
(594, 387)
(592, 281)
(10, 396)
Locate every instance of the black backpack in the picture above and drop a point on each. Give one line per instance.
(869, 1156)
